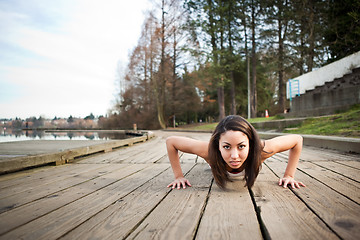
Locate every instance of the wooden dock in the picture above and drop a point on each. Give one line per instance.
(123, 195)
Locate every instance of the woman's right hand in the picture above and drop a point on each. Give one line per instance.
(179, 182)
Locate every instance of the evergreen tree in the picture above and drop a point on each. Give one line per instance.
(342, 34)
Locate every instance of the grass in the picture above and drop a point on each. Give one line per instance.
(346, 124)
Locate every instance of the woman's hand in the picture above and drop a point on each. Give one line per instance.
(290, 180)
(179, 182)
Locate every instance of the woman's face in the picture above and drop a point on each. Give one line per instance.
(234, 148)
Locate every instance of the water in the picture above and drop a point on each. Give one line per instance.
(11, 135)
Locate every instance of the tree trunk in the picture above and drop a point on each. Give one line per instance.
(174, 79)
(311, 37)
(253, 64)
(220, 88)
(220, 93)
(161, 87)
(232, 83)
(232, 94)
(282, 24)
(247, 67)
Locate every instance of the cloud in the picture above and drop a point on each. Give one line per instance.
(60, 58)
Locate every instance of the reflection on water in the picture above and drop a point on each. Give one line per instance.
(9, 135)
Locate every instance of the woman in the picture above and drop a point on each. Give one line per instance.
(235, 149)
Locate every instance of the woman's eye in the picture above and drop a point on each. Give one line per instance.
(227, 147)
(241, 146)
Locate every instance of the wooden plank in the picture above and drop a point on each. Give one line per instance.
(35, 176)
(36, 182)
(119, 219)
(57, 223)
(147, 156)
(339, 183)
(116, 156)
(346, 171)
(120, 155)
(337, 211)
(177, 216)
(31, 211)
(183, 157)
(229, 214)
(187, 158)
(201, 160)
(136, 154)
(37, 192)
(19, 163)
(8, 178)
(284, 215)
(353, 164)
(318, 154)
(335, 166)
(333, 178)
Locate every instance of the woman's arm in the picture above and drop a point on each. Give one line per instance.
(187, 145)
(294, 144)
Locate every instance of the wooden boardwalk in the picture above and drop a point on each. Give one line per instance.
(123, 195)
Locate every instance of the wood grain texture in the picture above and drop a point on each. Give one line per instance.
(18, 196)
(337, 211)
(59, 222)
(123, 194)
(284, 215)
(334, 180)
(120, 218)
(229, 214)
(35, 209)
(178, 216)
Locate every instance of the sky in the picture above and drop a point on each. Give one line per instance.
(61, 57)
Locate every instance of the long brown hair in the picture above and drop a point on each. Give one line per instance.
(252, 163)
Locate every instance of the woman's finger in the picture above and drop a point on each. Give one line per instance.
(280, 181)
(286, 182)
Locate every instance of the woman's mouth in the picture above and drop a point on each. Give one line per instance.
(235, 163)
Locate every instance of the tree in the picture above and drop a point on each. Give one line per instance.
(254, 6)
(70, 119)
(278, 14)
(169, 70)
(91, 117)
(306, 34)
(342, 32)
(216, 19)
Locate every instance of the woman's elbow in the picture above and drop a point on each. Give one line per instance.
(299, 139)
(170, 141)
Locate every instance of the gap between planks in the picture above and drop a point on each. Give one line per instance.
(341, 217)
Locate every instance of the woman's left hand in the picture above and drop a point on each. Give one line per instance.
(290, 180)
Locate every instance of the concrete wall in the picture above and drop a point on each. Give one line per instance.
(334, 96)
(327, 73)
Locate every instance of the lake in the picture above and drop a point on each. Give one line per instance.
(10, 135)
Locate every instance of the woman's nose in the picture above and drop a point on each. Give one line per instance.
(234, 154)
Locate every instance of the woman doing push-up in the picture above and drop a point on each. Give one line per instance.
(235, 149)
